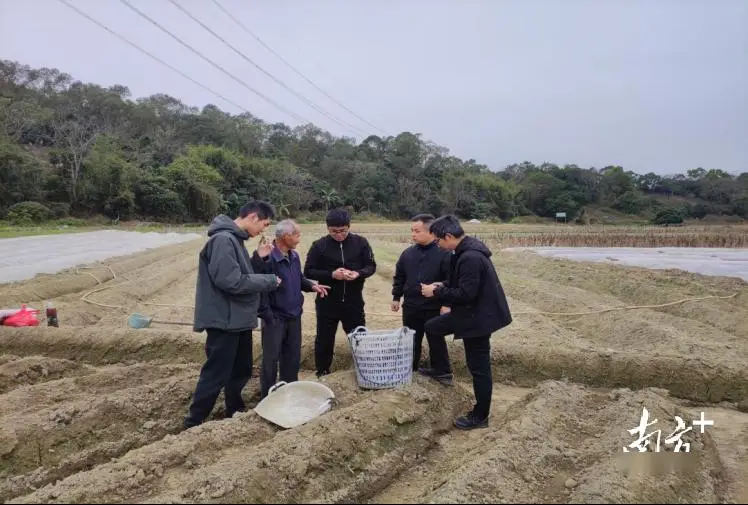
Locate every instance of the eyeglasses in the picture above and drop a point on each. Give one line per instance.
(338, 231)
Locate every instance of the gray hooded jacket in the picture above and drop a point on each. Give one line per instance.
(227, 293)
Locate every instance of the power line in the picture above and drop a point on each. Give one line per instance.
(291, 66)
(146, 52)
(280, 82)
(216, 65)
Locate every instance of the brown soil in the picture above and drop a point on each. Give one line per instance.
(34, 369)
(92, 411)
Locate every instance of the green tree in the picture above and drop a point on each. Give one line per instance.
(197, 183)
(20, 175)
(83, 148)
(107, 182)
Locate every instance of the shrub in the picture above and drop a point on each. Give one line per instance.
(59, 210)
(668, 216)
(24, 213)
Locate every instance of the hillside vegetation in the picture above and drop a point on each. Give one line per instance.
(80, 149)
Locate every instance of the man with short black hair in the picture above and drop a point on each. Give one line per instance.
(423, 262)
(227, 297)
(478, 308)
(342, 260)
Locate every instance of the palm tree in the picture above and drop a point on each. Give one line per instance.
(283, 209)
(330, 196)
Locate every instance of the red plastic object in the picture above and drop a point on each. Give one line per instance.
(23, 317)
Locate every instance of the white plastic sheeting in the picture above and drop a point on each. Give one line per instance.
(700, 260)
(24, 257)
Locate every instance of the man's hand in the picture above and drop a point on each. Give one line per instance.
(445, 310)
(320, 289)
(350, 275)
(395, 306)
(343, 274)
(427, 290)
(264, 248)
(277, 280)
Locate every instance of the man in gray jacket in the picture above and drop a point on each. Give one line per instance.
(226, 301)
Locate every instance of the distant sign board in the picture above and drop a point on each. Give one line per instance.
(560, 214)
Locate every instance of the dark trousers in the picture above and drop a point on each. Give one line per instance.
(478, 357)
(328, 316)
(416, 319)
(281, 343)
(228, 367)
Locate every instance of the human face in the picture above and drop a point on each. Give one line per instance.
(291, 240)
(253, 225)
(339, 233)
(448, 242)
(420, 234)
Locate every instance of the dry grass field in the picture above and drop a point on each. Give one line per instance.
(92, 411)
(571, 235)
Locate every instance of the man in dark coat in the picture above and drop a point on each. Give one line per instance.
(423, 262)
(227, 297)
(343, 261)
(478, 308)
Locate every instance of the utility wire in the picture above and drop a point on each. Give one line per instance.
(280, 82)
(216, 65)
(147, 53)
(233, 18)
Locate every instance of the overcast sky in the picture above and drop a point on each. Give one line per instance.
(653, 85)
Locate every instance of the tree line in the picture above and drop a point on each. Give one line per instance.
(80, 149)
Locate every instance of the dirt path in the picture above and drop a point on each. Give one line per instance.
(63, 426)
(320, 458)
(450, 451)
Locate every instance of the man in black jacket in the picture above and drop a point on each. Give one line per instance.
(423, 262)
(227, 296)
(343, 261)
(478, 308)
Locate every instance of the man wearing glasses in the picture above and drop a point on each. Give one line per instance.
(343, 261)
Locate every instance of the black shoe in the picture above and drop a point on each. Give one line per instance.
(323, 373)
(441, 377)
(188, 424)
(445, 379)
(230, 414)
(470, 422)
(428, 372)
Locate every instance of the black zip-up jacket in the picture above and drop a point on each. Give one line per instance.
(475, 295)
(420, 264)
(327, 255)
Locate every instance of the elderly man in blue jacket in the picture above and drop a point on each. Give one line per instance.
(281, 310)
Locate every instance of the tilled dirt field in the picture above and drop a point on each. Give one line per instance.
(91, 411)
